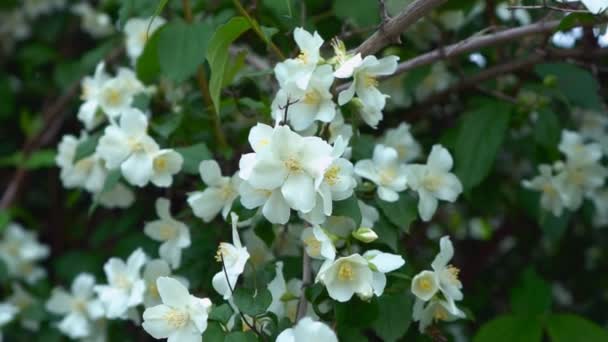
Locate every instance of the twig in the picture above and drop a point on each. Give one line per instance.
(257, 30)
(397, 25)
(548, 7)
(502, 69)
(252, 327)
(203, 86)
(53, 118)
(306, 279)
(471, 44)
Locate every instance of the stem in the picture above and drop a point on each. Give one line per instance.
(306, 279)
(257, 29)
(252, 327)
(203, 86)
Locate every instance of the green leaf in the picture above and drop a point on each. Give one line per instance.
(363, 146)
(167, 124)
(239, 336)
(263, 230)
(532, 296)
(400, 213)
(217, 54)
(193, 156)
(147, 66)
(552, 226)
(182, 48)
(394, 316)
(572, 328)
(357, 313)
(362, 13)
(575, 83)
(87, 147)
(479, 139)
(510, 328)
(387, 233)
(221, 313)
(36, 160)
(547, 129)
(111, 180)
(250, 302)
(348, 208)
(573, 20)
(214, 332)
(7, 105)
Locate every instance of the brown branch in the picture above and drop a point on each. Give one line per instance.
(471, 44)
(53, 117)
(306, 279)
(392, 29)
(474, 81)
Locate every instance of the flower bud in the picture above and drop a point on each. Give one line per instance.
(366, 235)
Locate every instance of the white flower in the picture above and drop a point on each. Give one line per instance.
(298, 71)
(595, 6)
(439, 79)
(117, 94)
(365, 81)
(318, 244)
(434, 181)
(233, 258)
(88, 172)
(23, 300)
(129, 147)
(20, 251)
(551, 190)
(308, 330)
(220, 193)
(369, 215)
(435, 310)
(278, 288)
(385, 171)
(274, 207)
(97, 24)
(338, 128)
(181, 318)
(402, 140)
(79, 308)
(91, 90)
(443, 278)
(600, 201)
(119, 196)
(288, 162)
(504, 13)
(337, 184)
(311, 104)
(138, 31)
(8, 312)
(152, 271)
(576, 151)
(125, 288)
(425, 285)
(382, 263)
(173, 234)
(165, 164)
(577, 180)
(347, 276)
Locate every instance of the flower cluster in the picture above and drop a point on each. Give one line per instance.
(438, 290)
(566, 183)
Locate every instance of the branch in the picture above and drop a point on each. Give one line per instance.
(493, 72)
(395, 26)
(471, 44)
(53, 118)
(306, 279)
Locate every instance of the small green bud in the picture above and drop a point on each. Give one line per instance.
(366, 235)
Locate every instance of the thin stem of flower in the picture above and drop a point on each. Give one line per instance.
(256, 28)
(203, 86)
(306, 279)
(252, 327)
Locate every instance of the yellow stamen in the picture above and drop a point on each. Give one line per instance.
(346, 272)
(177, 319)
(331, 175)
